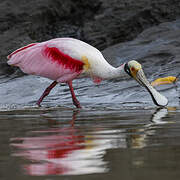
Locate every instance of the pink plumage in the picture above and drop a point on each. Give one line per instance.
(47, 60)
(20, 49)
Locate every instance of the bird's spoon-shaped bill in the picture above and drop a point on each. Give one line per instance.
(157, 98)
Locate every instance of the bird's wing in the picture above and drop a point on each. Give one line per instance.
(47, 59)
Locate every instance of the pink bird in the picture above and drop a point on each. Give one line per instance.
(65, 59)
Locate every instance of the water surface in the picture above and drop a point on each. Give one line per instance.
(64, 143)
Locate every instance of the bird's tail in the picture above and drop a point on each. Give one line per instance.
(13, 61)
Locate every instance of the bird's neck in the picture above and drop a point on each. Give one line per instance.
(114, 73)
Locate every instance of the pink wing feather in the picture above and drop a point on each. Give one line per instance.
(48, 60)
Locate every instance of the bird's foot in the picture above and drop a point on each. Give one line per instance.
(38, 104)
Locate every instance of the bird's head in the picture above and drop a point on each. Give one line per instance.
(134, 69)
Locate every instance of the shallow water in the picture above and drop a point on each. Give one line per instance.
(64, 143)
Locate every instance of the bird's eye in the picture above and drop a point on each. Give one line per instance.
(127, 70)
(132, 69)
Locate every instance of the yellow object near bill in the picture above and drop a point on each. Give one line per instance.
(165, 80)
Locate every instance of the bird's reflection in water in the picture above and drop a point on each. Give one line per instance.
(69, 150)
(139, 135)
(58, 151)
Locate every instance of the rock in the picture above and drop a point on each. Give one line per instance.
(120, 21)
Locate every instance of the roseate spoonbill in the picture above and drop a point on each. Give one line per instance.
(65, 59)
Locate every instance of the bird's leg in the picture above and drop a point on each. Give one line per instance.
(74, 99)
(46, 92)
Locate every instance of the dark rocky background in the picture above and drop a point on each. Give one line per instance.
(101, 23)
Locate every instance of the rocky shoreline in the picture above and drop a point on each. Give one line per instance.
(101, 23)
